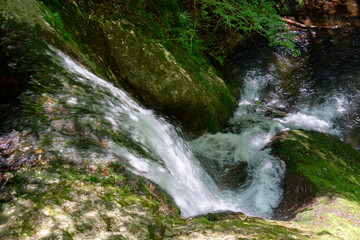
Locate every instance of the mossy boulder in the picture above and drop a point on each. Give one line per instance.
(198, 98)
(104, 37)
(46, 196)
(316, 165)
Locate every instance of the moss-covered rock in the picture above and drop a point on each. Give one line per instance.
(197, 98)
(330, 218)
(110, 43)
(58, 200)
(321, 185)
(46, 196)
(316, 164)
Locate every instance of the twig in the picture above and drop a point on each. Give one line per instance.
(301, 25)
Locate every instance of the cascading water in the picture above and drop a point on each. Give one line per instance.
(192, 173)
(165, 158)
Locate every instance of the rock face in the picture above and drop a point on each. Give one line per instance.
(146, 69)
(336, 12)
(316, 165)
(108, 43)
(69, 207)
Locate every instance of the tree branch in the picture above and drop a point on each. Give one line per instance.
(301, 25)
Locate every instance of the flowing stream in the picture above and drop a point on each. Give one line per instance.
(227, 171)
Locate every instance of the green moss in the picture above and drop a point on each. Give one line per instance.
(330, 164)
(94, 179)
(331, 218)
(152, 73)
(57, 185)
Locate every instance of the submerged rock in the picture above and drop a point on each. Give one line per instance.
(234, 177)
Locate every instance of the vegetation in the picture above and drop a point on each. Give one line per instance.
(193, 32)
(62, 200)
(213, 28)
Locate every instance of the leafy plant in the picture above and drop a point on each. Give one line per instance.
(214, 27)
(53, 18)
(225, 22)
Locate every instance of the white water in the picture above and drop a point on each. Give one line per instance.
(251, 130)
(170, 161)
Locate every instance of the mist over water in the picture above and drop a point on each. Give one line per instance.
(197, 174)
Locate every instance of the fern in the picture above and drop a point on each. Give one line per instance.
(242, 17)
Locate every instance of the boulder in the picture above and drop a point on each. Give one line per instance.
(198, 99)
(317, 165)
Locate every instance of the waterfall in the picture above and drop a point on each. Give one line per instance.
(189, 171)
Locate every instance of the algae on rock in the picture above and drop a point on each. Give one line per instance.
(62, 200)
(59, 198)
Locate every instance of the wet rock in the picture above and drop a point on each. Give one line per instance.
(64, 200)
(111, 212)
(223, 216)
(275, 113)
(16, 150)
(9, 86)
(12, 152)
(229, 176)
(9, 83)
